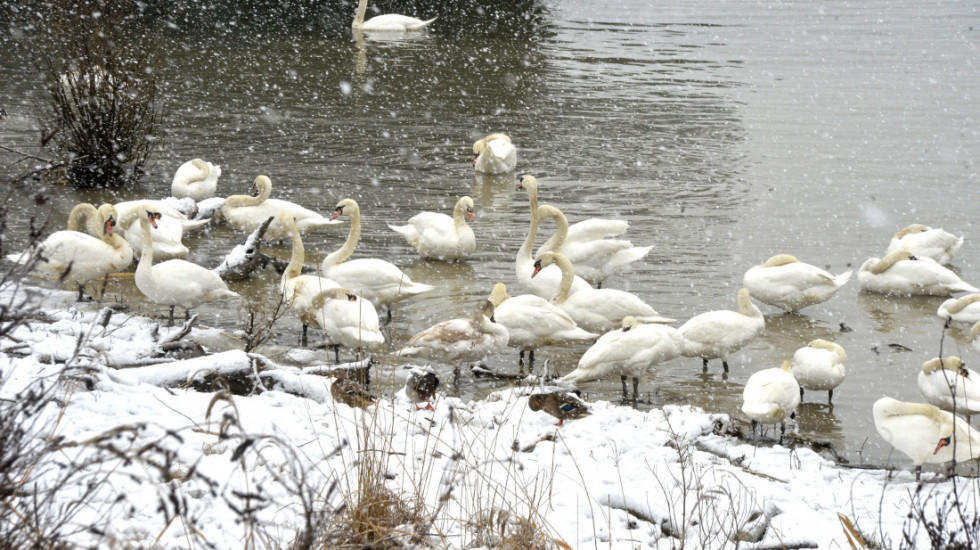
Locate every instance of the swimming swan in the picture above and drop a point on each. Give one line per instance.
(630, 350)
(494, 154)
(785, 282)
(965, 309)
(905, 274)
(441, 237)
(175, 282)
(595, 309)
(926, 242)
(819, 366)
(771, 396)
(946, 383)
(374, 279)
(195, 179)
(387, 22)
(248, 212)
(717, 334)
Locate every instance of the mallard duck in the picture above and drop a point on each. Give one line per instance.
(421, 386)
(351, 393)
(561, 404)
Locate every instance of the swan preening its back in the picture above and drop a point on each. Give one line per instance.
(388, 22)
(196, 179)
(904, 273)
(494, 154)
(441, 237)
(789, 284)
(771, 396)
(248, 212)
(947, 383)
(926, 242)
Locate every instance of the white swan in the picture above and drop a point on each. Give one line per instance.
(926, 242)
(78, 257)
(594, 259)
(630, 350)
(195, 179)
(771, 396)
(819, 366)
(789, 284)
(494, 154)
(948, 384)
(534, 322)
(388, 22)
(965, 309)
(717, 334)
(175, 282)
(347, 320)
(298, 290)
(441, 237)
(169, 233)
(544, 284)
(903, 273)
(975, 336)
(247, 212)
(925, 433)
(376, 280)
(595, 309)
(459, 340)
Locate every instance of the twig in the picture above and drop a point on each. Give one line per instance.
(23, 154)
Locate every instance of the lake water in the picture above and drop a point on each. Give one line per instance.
(724, 132)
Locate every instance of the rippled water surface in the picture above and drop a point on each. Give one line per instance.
(725, 133)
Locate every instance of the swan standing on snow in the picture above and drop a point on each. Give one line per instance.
(459, 340)
(494, 154)
(534, 322)
(595, 309)
(789, 284)
(948, 384)
(965, 309)
(819, 366)
(347, 320)
(175, 282)
(195, 179)
(438, 236)
(593, 256)
(717, 334)
(388, 22)
(248, 212)
(376, 280)
(926, 242)
(925, 433)
(298, 290)
(544, 284)
(78, 257)
(905, 274)
(630, 350)
(771, 396)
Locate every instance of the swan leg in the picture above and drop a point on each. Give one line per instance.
(302, 340)
(801, 393)
(530, 361)
(626, 395)
(81, 296)
(754, 424)
(830, 396)
(520, 364)
(336, 353)
(782, 431)
(171, 316)
(704, 365)
(918, 472)
(724, 364)
(636, 386)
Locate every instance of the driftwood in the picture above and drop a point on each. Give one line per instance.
(246, 258)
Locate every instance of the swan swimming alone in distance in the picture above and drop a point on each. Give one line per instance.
(196, 179)
(248, 212)
(717, 334)
(905, 274)
(438, 236)
(785, 282)
(926, 242)
(388, 22)
(494, 154)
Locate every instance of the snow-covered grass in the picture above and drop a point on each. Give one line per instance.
(135, 457)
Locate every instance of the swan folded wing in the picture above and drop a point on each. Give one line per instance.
(595, 228)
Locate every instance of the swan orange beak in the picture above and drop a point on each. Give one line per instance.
(537, 268)
(153, 217)
(351, 297)
(337, 213)
(109, 224)
(475, 157)
(469, 214)
(943, 443)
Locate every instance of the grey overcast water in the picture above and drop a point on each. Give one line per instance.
(725, 132)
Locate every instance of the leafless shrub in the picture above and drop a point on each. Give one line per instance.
(945, 519)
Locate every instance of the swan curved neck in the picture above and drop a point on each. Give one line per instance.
(556, 241)
(532, 232)
(887, 262)
(459, 216)
(746, 307)
(84, 218)
(567, 276)
(344, 252)
(146, 243)
(298, 256)
(359, 16)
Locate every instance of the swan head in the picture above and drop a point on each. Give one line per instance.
(150, 215)
(878, 266)
(787, 367)
(348, 206)
(260, 185)
(485, 309)
(952, 364)
(529, 183)
(107, 213)
(914, 228)
(499, 294)
(629, 323)
(829, 346)
(467, 203)
(544, 261)
(781, 259)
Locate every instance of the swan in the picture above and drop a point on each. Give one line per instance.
(248, 212)
(494, 154)
(717, 334)
(459, 340)
(595, 309)
(975, 336)
(534, 322)
(175, 282)
(195, 179)
(586, 230)
(785, 282)
(545, 283)
(947, 383)
(441, 237)
(925, 433)
(298, 291)
(965, 309)
(78, 257)
(771, 396)
(594, 259)
(561, 404)
(630, 350)
(347, 320)
(129, 212)
(387, 22)
(819, 366)
(169, 234)
(903, 273)
(421, 386)
(376, 280)
(926, 242)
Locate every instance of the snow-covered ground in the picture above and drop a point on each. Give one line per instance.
(187, 464)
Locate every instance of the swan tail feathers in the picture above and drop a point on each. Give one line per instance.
(421, 25)
(191, 225)
(842, 279)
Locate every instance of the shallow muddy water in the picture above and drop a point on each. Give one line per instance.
(725, 133)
